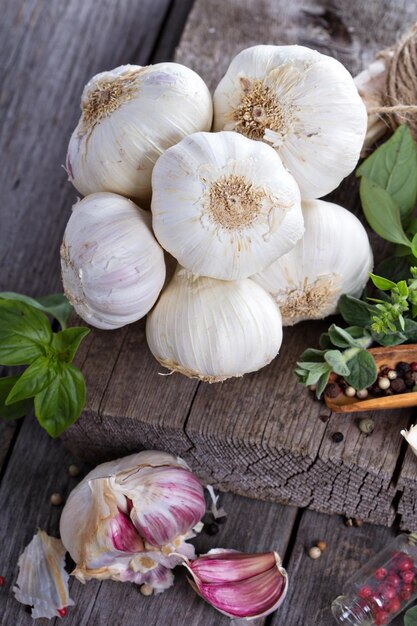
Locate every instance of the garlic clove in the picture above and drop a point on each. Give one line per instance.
(132, 114)
(411, 437)
(111, 275)
(307, 282)
(213, 330)
(239, 585)
(224, 206)
(42, 581)
(303, 103)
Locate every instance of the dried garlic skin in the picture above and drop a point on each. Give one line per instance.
(130, 116)
(411, 437)
(213, 330)
(224, 206)
(333, 258)
(42, 581)
(303, 103)
(130, 519)
(113, 268)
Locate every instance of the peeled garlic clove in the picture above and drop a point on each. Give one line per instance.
(240, 585)
(130, 116)
(213, 330)
(303, 103)
(113, 268)
(130, 519)
(333, 258)
(224, 206)
(42, 581)
(411, 437)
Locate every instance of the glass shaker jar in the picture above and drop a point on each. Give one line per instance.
(383, 588)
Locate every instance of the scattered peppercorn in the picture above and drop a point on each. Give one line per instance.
(324, 418)
(366, 426)
(211, 529)
(362, 394)
(332, 390)
(402, 368)
(56, 499)
(357, 522)
(322, 545)
(384, 382)
(398, 385)
(413, 366)
(337, 437)
(314, 552)
(384, 369)
(73, 470)
(410, 379)
(392, 374)
(350, 392)
(146, 589)
(2, 581)
(349, 522)
(62, 612)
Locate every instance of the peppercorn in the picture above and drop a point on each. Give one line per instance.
(332, 377)
(413, 366)
(409, 379)
(211, 529)
(357, 522)
(337, 437)
(62, 612)
(332, 390)
(398, 385)
(146, 589)
(350, 392)
(349, 522)
(392, 374)
(383, 383)
(375, 390)
(324, 418)
(73, 470)
(402, 368)
(56, 499)
(384, 369)
(322, 545)
(362, 394)
(2, 581)
(367, 426)
(314, 552)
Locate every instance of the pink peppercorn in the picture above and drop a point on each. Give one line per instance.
(381, 573)
(394, 606)
(387, 592)
(413, 366)
(2, 581)
(406, 592)
(365, 592)
(62, 612)
(407, 576)
(404, 563)
(381, 618)
(393, 580)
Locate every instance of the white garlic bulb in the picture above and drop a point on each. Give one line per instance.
(113, 268)
(130, 116)
(213, 330)
(303, 103)
(224, 206)
(333, 258)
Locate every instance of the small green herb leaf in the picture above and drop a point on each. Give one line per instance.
(355, 311)
(60, 404)
(339, 337)
(393, 167)
(382, 283)
(382, 212)
(25, 333)
(414, 245)
(66, 342)
(55, 305)
(363, 370)
(410, 617)
(16, 410)
(322, 383)
(337, 362)
(35, 378)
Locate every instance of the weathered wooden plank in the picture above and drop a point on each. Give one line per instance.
(316, 583)
(407, 505)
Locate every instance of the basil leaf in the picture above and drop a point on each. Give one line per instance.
(325, 341)
(393, 167)
(355, 311)
(311, 354)
(56, 305)
(67, 342)
(35, 378)
(363, 370)
(382, 212)
(16, 410)
(382, 283)
(313, 367)
(60, 404)
(322, 383)
(339, 337)
(25, 333)
(336, 361)
(410, 617)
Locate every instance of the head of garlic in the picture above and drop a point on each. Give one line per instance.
(333, 258)
(113, 268)
(411, 437)
(213, 330)
(130, 116)
(303, 103)
(224, 206)
(129, 520)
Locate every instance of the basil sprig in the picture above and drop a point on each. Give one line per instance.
(50, 383)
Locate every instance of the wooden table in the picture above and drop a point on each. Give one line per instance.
(48, 49)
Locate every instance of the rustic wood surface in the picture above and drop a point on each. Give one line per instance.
(261, 442)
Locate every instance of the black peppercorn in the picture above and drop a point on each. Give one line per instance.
(332, 390)
(211, 529)
(337, 437)
(375, 390)
(398, 385)
(409, 379)
(402, 368)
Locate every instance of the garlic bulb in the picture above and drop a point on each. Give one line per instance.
(224, 206)
(129, 519)
(130, 116)
(303, 103)
(332, 259)
(411, 437)
(213, 330)
(112, 267)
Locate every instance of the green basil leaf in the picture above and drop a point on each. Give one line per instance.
(410, 617)
(16, 410)
(311, 354)
(339, 337)
(60, 404)
(35, 378)
(313, 377)
(363, 370)
(393, 167)
(312, 367)
(56, 305)
(322, 383)
(336, 361)
(325, 342)
(355, 311)
(382, 213)
(66, 342)
(382, 283)
(25, 333)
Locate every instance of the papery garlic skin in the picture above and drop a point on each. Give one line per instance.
(303, 103)
(213, 330)
(224, 206)
(130, 519)
(333, 258)
(411, 437)
(239, 585)
(42, 581)
(113, 268)
(130, 116)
